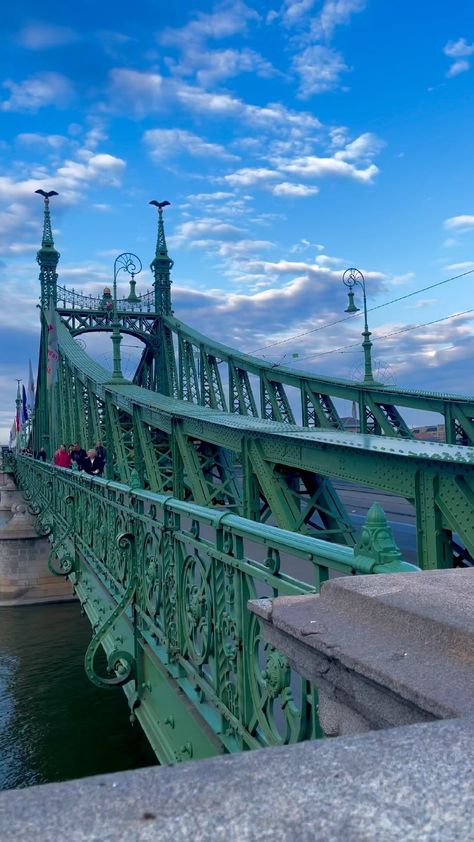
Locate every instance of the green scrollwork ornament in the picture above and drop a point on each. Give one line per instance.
(120, 662)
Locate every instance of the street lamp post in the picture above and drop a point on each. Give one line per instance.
(131, 264)
(351, 278)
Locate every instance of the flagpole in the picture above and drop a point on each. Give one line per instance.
(31, 404)
(18, 408)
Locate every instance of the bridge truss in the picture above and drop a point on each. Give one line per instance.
(210, 450)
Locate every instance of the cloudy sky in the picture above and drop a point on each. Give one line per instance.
(293, 138)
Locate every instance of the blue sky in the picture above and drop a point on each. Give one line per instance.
(293, 138)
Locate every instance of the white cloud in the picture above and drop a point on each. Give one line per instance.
(142, 92)
(145, 93)
(20, 229)
(42, 36)
(46, 88)
(288, 267)
(335, 13)
(363, 147)
(464, 266)
(113, 43)
(319, 68)
(318, 65)
(222, 23)
(295, 10)
(463, 222)
(104, 168)
(165, 143)
(312, 166)
(327, 260)
(399, 280)
(211, 66)
(42, 141)
(422, 304)
(458, 67)
(250, 175)
(209, 197)
(273, 116)
(208, 227)
(286, 188)
(243, 248)
(458, 50)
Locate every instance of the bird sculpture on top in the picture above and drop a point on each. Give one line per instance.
(159, 205)
(47, 195)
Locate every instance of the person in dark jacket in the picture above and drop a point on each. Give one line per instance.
(101, 451)
(92, 464)
(78, 454)
(42, 455)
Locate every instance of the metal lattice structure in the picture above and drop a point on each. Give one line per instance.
(220, 471)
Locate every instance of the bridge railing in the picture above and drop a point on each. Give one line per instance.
(70, 299)
(180, 576)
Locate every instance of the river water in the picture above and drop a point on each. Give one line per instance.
(54, 724)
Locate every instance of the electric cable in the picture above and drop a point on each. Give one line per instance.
(360, 312)
(407, 329)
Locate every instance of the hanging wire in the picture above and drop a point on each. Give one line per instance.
(344, 348)
(369, 310)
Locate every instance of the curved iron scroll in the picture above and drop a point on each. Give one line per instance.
(67, 563)
(119, 661)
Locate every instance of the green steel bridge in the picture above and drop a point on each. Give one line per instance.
(218, 489)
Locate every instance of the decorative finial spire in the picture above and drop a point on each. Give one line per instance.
(161, 266)
(47, 240)
(161, 249)
(47, 256)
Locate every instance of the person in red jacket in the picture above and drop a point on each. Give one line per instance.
(62, 457)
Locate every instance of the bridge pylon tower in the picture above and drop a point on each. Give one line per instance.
(162, 339)
(47, 257)
(161, 267)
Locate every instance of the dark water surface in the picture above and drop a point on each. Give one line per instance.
(54, 724)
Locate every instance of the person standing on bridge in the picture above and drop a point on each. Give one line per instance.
(101, 452)
(61, 457)
(92, 464)
(78, 455)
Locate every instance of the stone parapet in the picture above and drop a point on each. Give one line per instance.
(382, 650)
(410, 784)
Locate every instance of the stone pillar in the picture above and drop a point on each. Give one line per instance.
(24, 575)
(382, 650)
(9, 494)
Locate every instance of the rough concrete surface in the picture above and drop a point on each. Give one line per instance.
(413, 784)
(412, 635)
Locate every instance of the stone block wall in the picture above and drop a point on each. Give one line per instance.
(24, 575)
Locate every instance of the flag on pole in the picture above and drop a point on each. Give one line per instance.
(30, 402)
(12, 435)
(53, 351)
(24, 409)
(17, 419)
